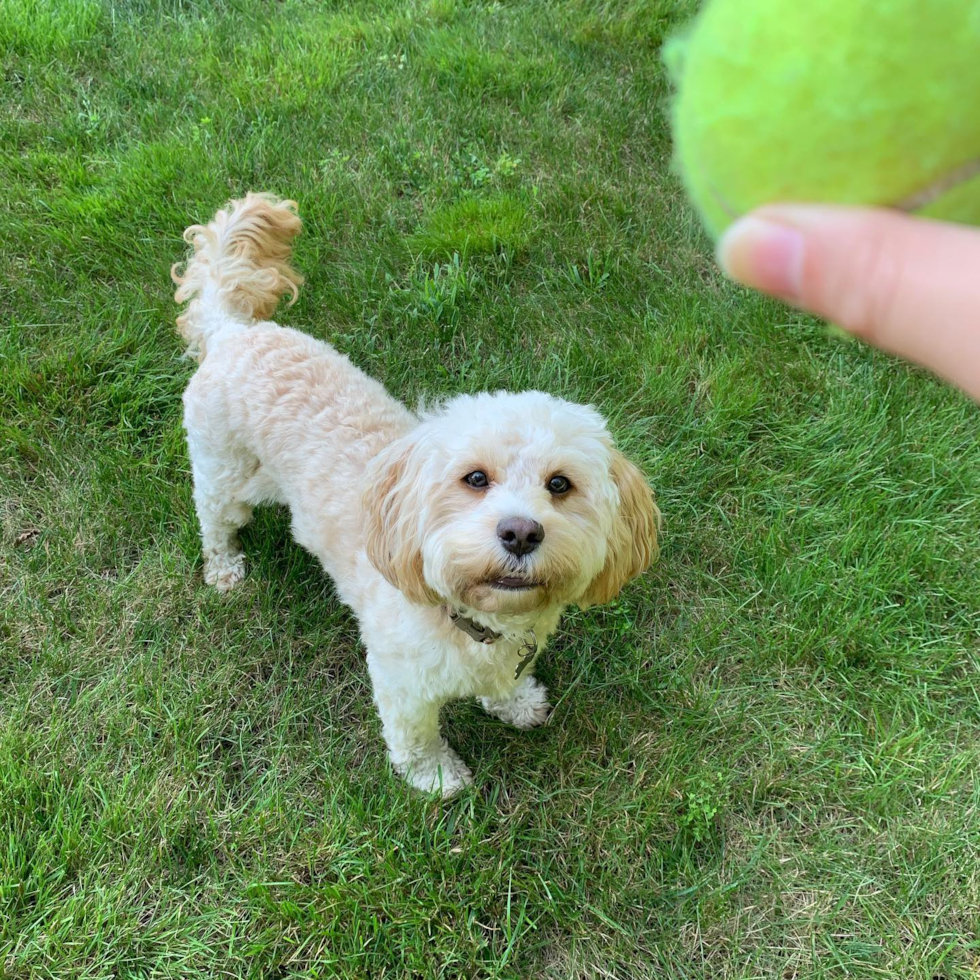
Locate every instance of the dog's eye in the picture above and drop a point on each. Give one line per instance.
(478, 480)
(559, 485)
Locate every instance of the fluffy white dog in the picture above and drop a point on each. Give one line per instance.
(457, 536)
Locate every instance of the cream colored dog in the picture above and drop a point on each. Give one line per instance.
(457, 536)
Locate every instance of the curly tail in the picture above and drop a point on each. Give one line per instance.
(239, 268)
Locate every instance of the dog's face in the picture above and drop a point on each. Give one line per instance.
(508, 504)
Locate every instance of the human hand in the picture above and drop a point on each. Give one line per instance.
(908, 285)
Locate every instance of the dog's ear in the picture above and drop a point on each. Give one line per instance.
(632, 545)
(392, 503)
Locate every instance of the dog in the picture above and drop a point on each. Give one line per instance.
(457, 535)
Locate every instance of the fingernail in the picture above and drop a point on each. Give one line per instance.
(764, 255)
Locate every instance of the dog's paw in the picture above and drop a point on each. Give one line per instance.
(527, 706)
(224, 572)
(443, 772)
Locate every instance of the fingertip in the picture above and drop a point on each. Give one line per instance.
(764, 254)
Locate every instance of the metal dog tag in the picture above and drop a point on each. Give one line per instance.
(530, 650)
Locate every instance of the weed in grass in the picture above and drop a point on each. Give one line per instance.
(592, 273)
(702, 804)
(436, 296)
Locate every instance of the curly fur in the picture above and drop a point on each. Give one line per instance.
(240, 265)
(377, 493)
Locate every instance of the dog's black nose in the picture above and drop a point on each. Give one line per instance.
(519, 535)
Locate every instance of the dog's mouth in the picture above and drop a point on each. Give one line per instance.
(514, 583)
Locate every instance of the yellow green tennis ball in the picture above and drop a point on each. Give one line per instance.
(872, 102)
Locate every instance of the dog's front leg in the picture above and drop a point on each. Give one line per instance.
(417, 750)
(525, 707)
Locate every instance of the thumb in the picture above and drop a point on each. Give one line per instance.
(908, 285)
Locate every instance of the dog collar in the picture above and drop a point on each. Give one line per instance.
(487, 636)
(482, 634)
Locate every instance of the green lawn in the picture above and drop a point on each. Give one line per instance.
(763, 760)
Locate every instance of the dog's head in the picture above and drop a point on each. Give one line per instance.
(508, 504)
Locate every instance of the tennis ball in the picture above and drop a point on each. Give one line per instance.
(873, 102)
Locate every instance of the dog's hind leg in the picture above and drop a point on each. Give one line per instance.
(221, 481)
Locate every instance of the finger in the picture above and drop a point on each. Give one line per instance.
(908, 285)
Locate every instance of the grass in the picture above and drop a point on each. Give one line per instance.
(763, 758)
(473, 227)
